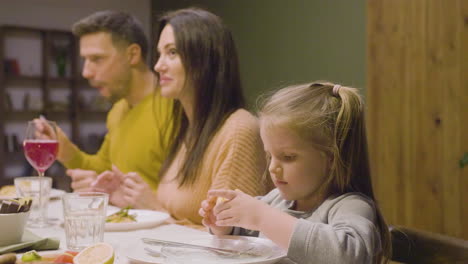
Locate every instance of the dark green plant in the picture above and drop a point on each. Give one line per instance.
(464, 160)
(60, 54)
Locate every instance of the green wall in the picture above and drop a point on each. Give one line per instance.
(283, 42)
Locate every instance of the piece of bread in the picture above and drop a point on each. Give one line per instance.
(9, 258)
(220, 200)
(8, 191)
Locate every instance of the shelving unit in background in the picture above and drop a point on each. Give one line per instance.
(32, 84)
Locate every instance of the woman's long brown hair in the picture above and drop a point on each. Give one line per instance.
(209, 56)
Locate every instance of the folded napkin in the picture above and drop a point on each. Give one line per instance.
(31, 241)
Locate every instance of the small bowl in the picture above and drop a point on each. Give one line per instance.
(12, 228)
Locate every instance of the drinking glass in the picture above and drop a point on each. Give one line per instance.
(34, 187)
(41, 148)
(84, 218)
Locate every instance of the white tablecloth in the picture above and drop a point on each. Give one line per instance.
(124, 243)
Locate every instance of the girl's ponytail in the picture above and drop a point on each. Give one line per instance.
(331, 117)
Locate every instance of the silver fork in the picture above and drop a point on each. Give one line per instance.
(221, 251)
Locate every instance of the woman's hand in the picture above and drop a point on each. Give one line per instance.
(137, 192)
(125, 189)
(209, 219)
(239, 209)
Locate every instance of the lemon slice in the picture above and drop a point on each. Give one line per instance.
(101, 253)
(31, 256)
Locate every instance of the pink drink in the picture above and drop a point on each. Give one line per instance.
(40, 153)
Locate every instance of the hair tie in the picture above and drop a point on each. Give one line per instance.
(336, 89)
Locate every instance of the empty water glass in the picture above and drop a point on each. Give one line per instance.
(32, 187)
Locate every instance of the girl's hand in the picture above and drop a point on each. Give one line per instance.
(240, 209)
(209, 219)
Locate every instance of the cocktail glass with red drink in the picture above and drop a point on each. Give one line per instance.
(41, 148)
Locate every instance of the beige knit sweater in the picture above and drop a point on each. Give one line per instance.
(234, 159)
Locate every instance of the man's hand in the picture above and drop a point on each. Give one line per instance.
(44, 130)
(66, 147)
(108, 181)
(81, 179)
(111, 182)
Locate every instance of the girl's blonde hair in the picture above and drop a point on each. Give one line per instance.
(331, 117)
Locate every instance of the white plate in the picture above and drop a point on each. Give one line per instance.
(54, 194)
(139, 255)
(145, 219)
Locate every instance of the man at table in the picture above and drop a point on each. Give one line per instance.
(114, 46)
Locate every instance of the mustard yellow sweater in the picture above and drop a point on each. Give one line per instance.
(234, 159)
(137, 139)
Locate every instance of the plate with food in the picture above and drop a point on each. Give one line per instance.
(97, 253)
(131, 219)
(9, 192)
(33, 257)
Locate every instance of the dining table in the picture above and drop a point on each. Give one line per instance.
(128, 245)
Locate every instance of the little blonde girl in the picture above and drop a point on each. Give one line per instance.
(323, 209)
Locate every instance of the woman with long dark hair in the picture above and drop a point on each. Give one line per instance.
(216, 142)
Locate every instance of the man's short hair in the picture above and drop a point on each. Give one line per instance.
(122, 26)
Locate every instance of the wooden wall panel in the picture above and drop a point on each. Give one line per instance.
(443, 74)
(418, 111)
(463, 187)
(382, 44)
